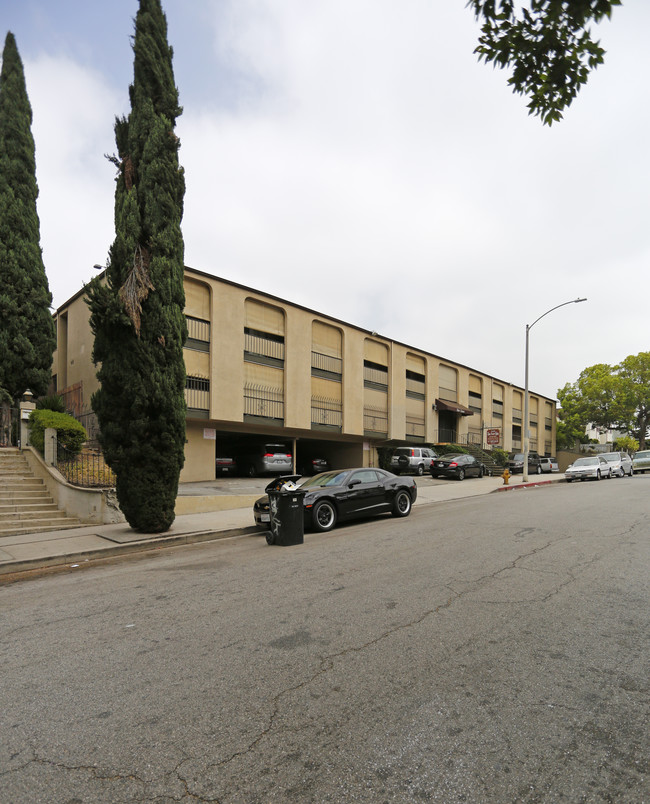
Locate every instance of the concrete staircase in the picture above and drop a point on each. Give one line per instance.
(25, 504)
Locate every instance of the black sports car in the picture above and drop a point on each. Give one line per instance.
(343, 494)
(458, 466)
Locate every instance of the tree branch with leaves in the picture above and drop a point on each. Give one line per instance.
(547, 44)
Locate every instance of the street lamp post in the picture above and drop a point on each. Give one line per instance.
(526, 401)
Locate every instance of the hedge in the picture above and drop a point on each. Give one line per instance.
(69, 432)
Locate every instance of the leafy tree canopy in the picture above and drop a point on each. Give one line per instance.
(610, 397)
(548, 45)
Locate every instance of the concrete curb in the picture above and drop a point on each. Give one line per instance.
(142, 546)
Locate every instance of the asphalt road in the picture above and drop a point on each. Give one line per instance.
(493, 649)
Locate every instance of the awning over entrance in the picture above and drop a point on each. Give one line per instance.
(453, 407)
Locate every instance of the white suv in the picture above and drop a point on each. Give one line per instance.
(412, 459)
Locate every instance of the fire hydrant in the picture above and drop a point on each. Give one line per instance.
(506, 477)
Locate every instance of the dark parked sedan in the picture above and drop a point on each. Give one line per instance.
(458, 466)
(340, 495)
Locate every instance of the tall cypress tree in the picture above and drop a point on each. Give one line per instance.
(137, 315)
(27, 335)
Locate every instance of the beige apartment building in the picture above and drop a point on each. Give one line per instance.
(260, 369)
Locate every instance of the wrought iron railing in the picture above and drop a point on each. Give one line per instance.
(262, 401)
(326, 412)
(271, 347)
(87, 468)
(375, 420)
(326, 364)
(9, 426)
(197, 393)
(415, 426)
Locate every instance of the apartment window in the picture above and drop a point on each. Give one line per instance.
(375, 375)
(197, 393)
(198, 334)
(415, 385)
(263, 347)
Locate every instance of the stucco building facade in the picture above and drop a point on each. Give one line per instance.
(260, 368)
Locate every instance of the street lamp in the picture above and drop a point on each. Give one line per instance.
(526, 426)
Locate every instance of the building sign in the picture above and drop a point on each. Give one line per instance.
(493, 436)
(208, 432)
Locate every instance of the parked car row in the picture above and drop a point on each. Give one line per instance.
(598, 467)
(269, 459)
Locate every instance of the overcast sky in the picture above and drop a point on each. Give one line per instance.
(353, 156)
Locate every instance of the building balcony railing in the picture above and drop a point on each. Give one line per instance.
(326, 366)
(197, 395)
(262, 402)
(326, 414)
(415, 427)
(375, 421)
(198, 334)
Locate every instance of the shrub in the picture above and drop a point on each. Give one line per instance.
(500, 456)
(51, 402)
(69, 432)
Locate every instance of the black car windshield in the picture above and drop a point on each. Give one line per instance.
(335, 478)
(451, 457)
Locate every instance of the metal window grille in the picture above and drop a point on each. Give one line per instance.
(258, 343)
(374, 375)
(326, 364)
(325, 411)
(198, 328)
(375, 420)
(415, 426)
(197, 393)
(262, 401)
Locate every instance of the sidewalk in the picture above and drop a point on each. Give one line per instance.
(71, 548)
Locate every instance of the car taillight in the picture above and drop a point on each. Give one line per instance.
(453, 463)
(268, 454)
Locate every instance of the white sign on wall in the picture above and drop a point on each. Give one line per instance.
(208, 432)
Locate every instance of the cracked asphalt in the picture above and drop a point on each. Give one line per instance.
(493, 649)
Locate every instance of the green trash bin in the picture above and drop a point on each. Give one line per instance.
(287, 509)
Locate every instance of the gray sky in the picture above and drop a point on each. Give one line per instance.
(353, 157)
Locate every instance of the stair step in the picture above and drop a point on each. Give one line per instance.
(25, 503)
(22, 516)
(40, 526)
(16, 495)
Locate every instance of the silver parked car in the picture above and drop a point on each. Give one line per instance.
(641, 461)
(266, 459)
(592, 467)
(548, 464)
(620, 462)
(412, 459)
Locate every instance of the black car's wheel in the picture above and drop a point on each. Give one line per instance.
(461, 474)
(270, 538)
(252, 471)
(420, 470)
(324, 516)
(402, 503)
